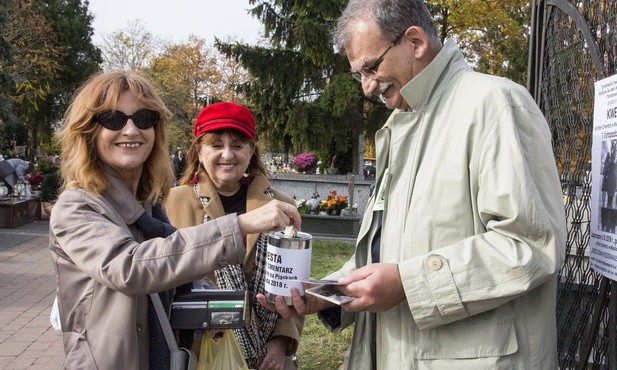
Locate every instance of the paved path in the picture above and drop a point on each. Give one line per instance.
(27, 289)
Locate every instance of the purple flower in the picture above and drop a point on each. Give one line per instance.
(305, 161)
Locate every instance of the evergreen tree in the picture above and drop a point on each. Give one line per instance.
(35, 64)
(72, 24)
(6, 77)
(302, 93)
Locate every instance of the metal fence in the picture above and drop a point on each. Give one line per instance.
(574, 44)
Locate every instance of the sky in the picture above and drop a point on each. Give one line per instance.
(177, 19)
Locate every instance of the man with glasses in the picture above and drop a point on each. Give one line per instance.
(459, 248)
(372, 67)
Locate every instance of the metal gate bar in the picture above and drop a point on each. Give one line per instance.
(572, 45)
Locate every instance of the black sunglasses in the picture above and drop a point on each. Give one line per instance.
(115, 120)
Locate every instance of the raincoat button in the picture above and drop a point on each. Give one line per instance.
(138, 328)
(434, 263)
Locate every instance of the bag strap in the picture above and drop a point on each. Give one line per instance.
(160, 313)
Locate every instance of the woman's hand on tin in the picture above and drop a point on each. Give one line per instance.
(274, 216)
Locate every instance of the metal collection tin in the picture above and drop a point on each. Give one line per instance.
(288, 263)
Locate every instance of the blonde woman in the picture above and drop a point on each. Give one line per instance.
(110, 241)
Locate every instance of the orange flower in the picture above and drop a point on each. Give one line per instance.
(334, 203)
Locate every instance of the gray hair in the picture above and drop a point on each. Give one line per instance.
(393, 17)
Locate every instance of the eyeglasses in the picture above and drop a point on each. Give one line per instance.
(115, 120)
(373, 68)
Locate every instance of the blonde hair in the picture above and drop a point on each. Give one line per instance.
(81, 166)
(256, 166)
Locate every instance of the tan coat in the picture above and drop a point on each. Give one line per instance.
(105, 272)
(474, 219)
(184, 209)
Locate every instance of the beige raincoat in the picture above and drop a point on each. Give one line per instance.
(105, 270)
(474, 218)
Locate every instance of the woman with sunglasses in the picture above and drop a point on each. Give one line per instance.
(110, 241)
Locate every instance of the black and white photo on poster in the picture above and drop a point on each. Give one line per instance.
(603, 223)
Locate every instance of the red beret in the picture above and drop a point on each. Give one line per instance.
(225, 115)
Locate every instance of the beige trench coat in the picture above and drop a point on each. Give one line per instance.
(105, 272)
(474, 219)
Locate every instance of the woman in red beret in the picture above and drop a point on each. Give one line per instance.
(224, 174)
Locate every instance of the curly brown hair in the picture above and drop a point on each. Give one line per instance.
(81, 166)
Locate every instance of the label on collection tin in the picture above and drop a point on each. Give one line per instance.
(286, 269)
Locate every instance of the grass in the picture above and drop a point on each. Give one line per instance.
(319, 348)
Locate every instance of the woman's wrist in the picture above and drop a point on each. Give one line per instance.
(283, 342)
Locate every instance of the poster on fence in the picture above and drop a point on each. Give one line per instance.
(603, 240)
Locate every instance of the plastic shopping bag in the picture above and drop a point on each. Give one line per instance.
(54, 317)
(229, 355)
(207, 353)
